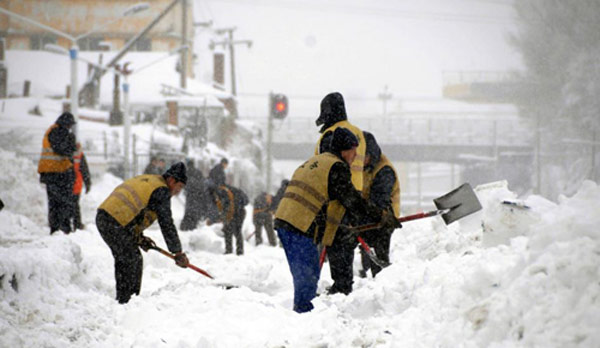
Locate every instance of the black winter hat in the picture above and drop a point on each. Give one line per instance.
(343, 139)
(373, 148)
(177, 172)
(333, 110)
(66, 119)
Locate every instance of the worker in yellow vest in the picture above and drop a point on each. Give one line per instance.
(311, 210)
(381, 187)
(333, 116)
(131, 208)
(56, 171)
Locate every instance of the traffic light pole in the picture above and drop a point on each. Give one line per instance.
(269, 150)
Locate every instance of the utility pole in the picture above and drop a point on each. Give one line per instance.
(184, 52)
(269, 148)
(230, 43)
(385, 96)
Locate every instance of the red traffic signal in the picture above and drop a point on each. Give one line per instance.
(279, 106)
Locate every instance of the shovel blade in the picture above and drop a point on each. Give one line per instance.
(462, 201)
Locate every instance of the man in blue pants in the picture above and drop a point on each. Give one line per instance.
(311, 210)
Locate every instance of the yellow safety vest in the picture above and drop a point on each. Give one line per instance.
(131, 197)
(50, 161)
(357, 165)
(368, 181)
(306, 195)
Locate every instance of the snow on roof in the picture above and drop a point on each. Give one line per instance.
(50, 73)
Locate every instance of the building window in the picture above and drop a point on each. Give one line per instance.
(143, 44)
(90, 44)
(38, 41)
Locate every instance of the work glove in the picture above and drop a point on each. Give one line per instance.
(87, 189)
(146, 243)
(181, 259)
(389, 221)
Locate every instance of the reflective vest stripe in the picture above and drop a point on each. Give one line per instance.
(306, 187)
(121, 197)
(136, 197)
(303, 201)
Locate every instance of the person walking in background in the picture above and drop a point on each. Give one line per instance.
(124, 215)
(228, 206)
(381, 187)
(195, 200)
(82, 176)
(217, 173)
(262, 217)
(152, 167)
(311, 211)
(56, 171)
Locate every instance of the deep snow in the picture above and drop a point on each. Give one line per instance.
(503, 277)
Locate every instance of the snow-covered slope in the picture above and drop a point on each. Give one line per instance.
(503, 277)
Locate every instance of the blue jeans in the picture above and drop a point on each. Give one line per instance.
(303, 259)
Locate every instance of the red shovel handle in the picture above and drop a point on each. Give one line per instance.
(197, 269)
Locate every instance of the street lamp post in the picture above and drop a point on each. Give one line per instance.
(74, 50)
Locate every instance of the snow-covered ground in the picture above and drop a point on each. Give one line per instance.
(503, 277)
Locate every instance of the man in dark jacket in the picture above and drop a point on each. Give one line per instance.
(381, 187)
(195, 198)
(217, 173)
(56, 171)
(228, 206)
(262, 217)
(311, 210)
(131, 208)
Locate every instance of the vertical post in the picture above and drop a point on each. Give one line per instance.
(3, 71)
(135, 157)
(538, 165)
(126, 127)
(184, 51)
(269, 147)
(105, 145)
(74, 87)
(232, 62)
(419, 193)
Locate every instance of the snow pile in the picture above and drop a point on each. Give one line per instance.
(503, 277)
(20, 188)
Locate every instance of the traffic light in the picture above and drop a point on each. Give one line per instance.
(279, 106)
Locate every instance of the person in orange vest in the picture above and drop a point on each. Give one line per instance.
(262, 216)
(56, 171)
(82, 176)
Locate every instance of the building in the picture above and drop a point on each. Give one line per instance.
(105, 23)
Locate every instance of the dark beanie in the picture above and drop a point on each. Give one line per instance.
(177, 172)
(373, 148)
(66, 119)
(343, 139)
(333, 109)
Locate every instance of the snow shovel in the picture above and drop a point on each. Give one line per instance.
(168, 254)
(371, 254)
(452, 206)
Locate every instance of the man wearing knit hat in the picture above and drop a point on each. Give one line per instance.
(311, 210)
(131, 208)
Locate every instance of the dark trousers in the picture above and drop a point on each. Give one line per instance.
(59, 187)
(341, 258)
(379, 241)
(234, 228)
(76, 212)
(128, 259)
(264, 220)
(303, 259)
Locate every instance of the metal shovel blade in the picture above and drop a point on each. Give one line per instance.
(461, 202)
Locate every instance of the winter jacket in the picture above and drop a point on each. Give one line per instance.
(82, 173)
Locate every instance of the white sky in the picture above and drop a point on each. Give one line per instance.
(310, 48)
